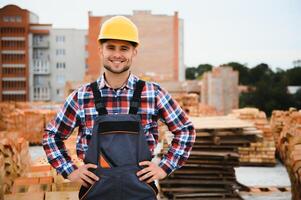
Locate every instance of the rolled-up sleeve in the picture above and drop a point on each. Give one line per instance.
(178, 123)
(58, 130)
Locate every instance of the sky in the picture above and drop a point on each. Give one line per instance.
(215, 31)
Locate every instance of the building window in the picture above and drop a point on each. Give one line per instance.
(12, 18)
(18, 19)
(60, 38)
(61, 65)
(6, 18)
(38, 54)
(60, 52)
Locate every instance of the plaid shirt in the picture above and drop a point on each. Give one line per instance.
(79, 111)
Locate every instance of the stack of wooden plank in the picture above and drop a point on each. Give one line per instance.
(262, 152)
(209, 172)
(290, 146)
(14, 159)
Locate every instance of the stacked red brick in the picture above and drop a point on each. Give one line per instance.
(189, 103)
(289, 145)
(28, 119)
(41, 182)
(261, 152)
(14, 159)
(278, 120)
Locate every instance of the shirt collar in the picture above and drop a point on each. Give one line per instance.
(129, 84)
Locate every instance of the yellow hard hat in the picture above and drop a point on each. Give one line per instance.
(119, 28)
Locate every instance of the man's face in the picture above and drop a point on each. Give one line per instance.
(117, 55)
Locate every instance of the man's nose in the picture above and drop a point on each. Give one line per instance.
(117, 54)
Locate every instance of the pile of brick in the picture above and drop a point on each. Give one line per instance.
(278, 119)
(189, 103)
(41, 182)
(262, 152)
(209, 171)
(28, 119)
(14, 159)
(289, 145)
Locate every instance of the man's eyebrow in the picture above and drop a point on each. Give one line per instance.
(110, 45)
(125, 46)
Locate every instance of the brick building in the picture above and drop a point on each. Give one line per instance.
(14, 71)
(160, 54)
(220, 89)
(36, 59)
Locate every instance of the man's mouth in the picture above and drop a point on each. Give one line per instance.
(116, 61)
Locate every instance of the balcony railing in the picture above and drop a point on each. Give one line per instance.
(41, 66)
(40, 44)
(41, 94)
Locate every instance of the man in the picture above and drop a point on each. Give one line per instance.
(117, 118)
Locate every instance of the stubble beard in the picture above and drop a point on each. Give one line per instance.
(110, 69)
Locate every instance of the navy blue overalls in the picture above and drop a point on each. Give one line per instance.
(119, 140)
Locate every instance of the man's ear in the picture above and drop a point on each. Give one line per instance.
(135, 52)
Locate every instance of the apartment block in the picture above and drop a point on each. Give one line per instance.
(36, 59)
(220, 89)
(68, 56)
(14, 69)
(160, 53)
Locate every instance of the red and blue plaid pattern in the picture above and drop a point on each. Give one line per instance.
(79, 111)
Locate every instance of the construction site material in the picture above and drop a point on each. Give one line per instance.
(14, 159)
(28, 119)
(289, 145)
(209, 171)
(262, 152)
(188, 102)
(43, 181)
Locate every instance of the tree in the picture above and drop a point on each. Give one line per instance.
(202, 68)
(294, 76)
(269, 95)
(190, 73)
(258, 72)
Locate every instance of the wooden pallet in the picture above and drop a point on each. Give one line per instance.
(209, 171)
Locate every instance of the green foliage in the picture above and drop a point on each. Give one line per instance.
(294, 76)
(270, 87)
(190, 73)
(196, 73)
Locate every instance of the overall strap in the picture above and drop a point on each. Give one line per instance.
(99, 105)
(135, 103)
